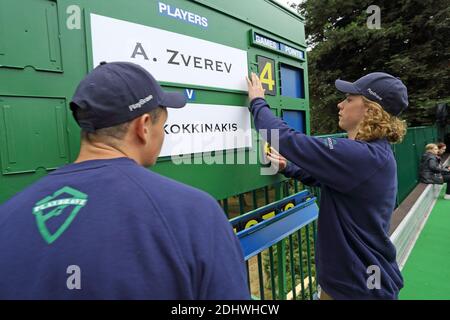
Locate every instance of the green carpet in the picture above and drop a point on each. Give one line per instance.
(427, 271)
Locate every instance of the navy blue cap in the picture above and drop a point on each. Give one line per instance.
(117, 92)
(380, 87)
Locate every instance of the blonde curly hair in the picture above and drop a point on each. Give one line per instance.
(431, 146)
(378, 124)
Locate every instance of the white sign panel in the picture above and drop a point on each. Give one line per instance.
(204, 128)
(169, 56)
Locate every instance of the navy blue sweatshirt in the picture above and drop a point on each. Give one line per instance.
(128, 233)
(358, 183)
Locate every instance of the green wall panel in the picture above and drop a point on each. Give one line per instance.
(32, 134)
(408, 155)
(29, 35)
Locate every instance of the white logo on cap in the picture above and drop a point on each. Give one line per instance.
(140, 103)
(374, 94)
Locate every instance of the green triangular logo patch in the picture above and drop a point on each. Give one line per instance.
(53, 206)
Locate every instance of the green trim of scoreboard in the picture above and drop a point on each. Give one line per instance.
(260, 39)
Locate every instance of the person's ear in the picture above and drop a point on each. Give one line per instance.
(142, 127)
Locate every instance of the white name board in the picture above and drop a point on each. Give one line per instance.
(204, 128)
(169, 56)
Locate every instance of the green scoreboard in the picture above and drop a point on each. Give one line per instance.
(201, 48)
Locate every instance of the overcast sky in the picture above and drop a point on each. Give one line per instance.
(287, 2)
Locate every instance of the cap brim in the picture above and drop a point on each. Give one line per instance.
(346, 87)
(173, 100)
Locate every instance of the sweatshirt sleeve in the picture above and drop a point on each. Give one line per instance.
(341, 164)
(295, 172)
(225, 271)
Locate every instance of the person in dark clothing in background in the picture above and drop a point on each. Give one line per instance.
(355, 258)
(105, 227)
(442, 148)
(431, 171)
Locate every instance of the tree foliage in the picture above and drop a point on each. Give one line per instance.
(413, 44)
